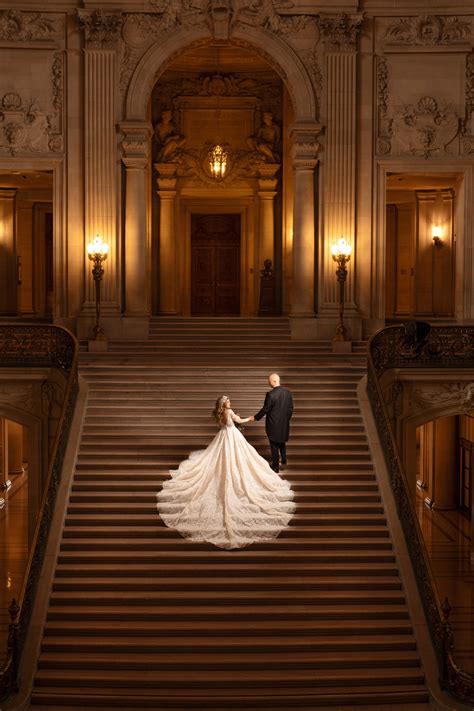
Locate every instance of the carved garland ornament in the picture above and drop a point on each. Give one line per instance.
(425, 128)
(24, 127)
(428, 30)
(21, 26)
(458, 395)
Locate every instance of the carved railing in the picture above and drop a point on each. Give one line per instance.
(438, 347)
(31, 346)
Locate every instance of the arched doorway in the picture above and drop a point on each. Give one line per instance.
(226, 99)
(298, 214)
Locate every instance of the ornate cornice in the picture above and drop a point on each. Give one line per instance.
(340, 32)
(428, 30)
(102, 30)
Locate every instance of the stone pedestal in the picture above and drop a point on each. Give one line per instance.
(267, 183)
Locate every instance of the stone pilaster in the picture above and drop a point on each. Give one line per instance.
(304, 152)
(8, 261)
(340, 36)
(267, 183)
(102, 32)
(169, 278)
(135, 158)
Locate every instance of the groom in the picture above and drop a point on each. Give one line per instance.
(278, 409)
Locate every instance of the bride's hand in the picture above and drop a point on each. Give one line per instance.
(251, 418)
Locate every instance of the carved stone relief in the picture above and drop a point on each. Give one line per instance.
(456, 395)
(424, 129)
(340, 32)
(22, 26)
(14, 393)
(428, 30)
(102, 30)
(267, 14)
(467, 142)
(23, 126)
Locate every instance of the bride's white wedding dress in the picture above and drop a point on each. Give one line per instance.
(226, 494)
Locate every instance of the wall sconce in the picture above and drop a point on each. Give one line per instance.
(97, 252)
(437, 233)
(341, 253)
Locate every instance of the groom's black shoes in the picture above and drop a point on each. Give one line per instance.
(275, 469)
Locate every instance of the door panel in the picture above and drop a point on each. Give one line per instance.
(215, 271)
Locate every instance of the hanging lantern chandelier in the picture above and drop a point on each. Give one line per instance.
(217, 162)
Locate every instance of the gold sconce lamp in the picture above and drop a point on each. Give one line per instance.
(437, 235)
(341, 254)
(97, 251)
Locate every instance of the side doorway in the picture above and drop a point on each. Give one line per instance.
(420, 247)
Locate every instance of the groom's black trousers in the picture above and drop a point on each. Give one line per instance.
(277, 448)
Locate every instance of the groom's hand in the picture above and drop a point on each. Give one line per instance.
(251, 418)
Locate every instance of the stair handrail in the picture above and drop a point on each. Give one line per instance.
(33, 346)
(435, 347)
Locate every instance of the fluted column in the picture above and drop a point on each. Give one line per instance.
(102, 32)
(340, 35)
(169, 278)
(267, 183)
(8, 263)
(135, 158)
(304, 151)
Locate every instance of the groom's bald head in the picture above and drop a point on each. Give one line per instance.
(274, 380)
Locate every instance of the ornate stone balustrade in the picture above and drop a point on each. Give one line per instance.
(420, 348)
(31, 346)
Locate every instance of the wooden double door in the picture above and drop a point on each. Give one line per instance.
(215, 265)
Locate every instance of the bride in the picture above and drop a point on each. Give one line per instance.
(226, 494)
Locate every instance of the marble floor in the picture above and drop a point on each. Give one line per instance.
(13, 554)
(448, 541)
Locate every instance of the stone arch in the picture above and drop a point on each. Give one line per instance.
(278, 53)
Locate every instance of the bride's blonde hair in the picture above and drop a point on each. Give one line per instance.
(219, 408)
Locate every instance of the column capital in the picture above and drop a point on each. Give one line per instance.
(266, 176)
(166, 179)
(340, 32)
(305, 144)
(135, 142)
(102, 30)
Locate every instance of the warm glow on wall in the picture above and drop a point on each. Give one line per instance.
(437, 233)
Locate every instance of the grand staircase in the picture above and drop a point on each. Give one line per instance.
(142, 618)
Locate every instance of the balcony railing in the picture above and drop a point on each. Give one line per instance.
(420, 347)
(34, 346)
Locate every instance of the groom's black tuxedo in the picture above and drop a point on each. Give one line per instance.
(277, 409)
